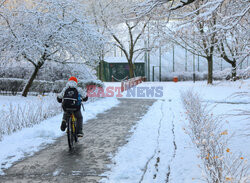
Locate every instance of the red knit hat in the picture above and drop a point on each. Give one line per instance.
(72, 78)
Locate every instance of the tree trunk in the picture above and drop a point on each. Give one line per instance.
(28, 85)
(210, 70)
(233, 70)
(131, 69)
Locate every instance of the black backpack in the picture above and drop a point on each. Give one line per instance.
(70, 100)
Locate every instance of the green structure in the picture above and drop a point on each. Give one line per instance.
(118, 68)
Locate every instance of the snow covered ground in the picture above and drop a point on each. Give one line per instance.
(30, 140)
(159, 149)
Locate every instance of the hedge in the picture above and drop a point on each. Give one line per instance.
(15, 85)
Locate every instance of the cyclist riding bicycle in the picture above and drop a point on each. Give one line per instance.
(71, 98)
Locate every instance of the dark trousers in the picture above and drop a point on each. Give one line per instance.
(78, 116)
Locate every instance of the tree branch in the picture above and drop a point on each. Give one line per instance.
(28, 59)
(121, 45)
(182, 4)
(140, 34)
(223, 54)
(8, 23)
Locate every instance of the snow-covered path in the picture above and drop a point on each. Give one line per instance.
(103, 135)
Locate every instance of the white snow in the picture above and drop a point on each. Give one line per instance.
(30, 140)
(150, 152)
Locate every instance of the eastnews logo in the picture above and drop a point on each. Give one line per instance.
(111, 91)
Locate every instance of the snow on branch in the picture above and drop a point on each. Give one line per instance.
(182, 4)
(146, 7)
(44, 31)
(49, 29)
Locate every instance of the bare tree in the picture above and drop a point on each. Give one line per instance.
(233, 48)
(232, 31)
(47, 30)
(221, 25)
(196, 32)
(122, 27)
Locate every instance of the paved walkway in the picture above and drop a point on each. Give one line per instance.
(88, 161)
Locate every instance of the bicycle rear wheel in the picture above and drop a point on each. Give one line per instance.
(70, 135)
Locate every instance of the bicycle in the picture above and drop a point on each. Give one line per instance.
(71, 129)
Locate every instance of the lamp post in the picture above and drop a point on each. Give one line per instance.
(145, 58)
(194, 68)
(148, 56)
(173, 58)
(154, 72)
(186, 57)
(160, 64)
(198, 63)
(194, 59)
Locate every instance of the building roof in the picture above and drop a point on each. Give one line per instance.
(119, 60)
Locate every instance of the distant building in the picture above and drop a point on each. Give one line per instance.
(117, 69)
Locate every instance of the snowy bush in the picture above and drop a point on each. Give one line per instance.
(205, 130)
(15, 85)
(32, 111)
(58, 85)
(184, 76)
(49, 72)
(11, 85)
(217, 75)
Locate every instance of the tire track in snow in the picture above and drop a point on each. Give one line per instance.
(156, 151)
(175, 147)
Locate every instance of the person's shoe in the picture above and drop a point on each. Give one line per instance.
(63, 125)
(80, 134)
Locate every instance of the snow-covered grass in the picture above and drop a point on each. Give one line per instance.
(19, 112)
(161, 151)
(32, 139)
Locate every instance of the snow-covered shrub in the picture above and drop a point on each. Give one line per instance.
(184, 76)
(15, 116)
(41, 87)
(11, 85)
(15, 85)
(21, 71)
(58, 85)
(92, 82)
(49, 72)
(217, 75)
(244, 73)
(206, 132)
